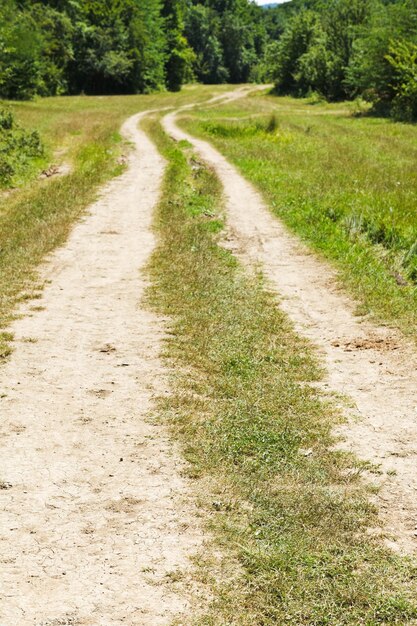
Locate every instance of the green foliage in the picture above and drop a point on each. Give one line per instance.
(203, 26)
(119, 47)
(18, 149)
(379, 51)
(179, 55)
(238, 46)
(56, 49)
(51, 47)
(402, 58)
(148, 46)
(102, 61)
(316, 47)
(20, 52)
(228, 39)
(336, 49)
(303, 32)
(347, 48)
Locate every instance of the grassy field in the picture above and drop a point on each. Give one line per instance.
(346, 184)
(290, 516)
(81, 132)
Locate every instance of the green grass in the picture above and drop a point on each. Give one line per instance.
(347, 185)
(289, 515)
(38, 215)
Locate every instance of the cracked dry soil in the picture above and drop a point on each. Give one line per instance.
(95, 514)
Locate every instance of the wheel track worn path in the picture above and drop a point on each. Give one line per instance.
(371, 365)
(94, 513)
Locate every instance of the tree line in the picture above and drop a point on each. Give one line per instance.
(53, 47)
(343, 49)
(337, 49)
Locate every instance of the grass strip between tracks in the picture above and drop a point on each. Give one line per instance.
(289, 515)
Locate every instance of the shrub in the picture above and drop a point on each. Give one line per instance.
(403, 59)
(18, 149)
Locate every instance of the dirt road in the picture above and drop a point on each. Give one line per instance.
(95, 515)
(368, 364)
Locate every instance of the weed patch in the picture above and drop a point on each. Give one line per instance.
(243, 128)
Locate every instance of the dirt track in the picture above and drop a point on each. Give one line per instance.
(94, 511)
(95, 515)
(368, 364)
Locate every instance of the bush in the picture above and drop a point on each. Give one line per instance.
(18, 149)
(403, 59)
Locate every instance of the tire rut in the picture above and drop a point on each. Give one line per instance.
(371, 365)
(95, 514)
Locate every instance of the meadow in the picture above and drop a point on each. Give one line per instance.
(344, 181)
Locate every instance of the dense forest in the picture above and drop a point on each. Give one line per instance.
(51, 47)
(337, 49)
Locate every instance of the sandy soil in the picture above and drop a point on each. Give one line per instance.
(95, 515)
(370, 365)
